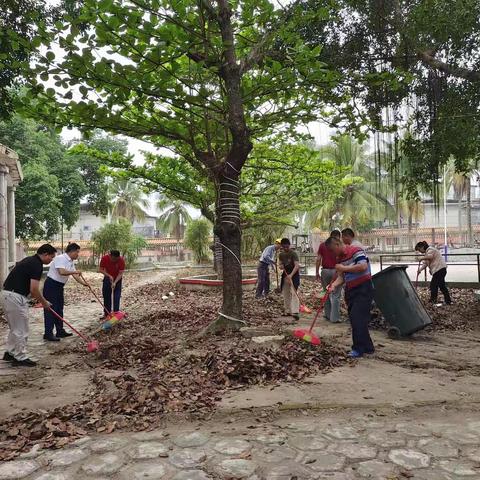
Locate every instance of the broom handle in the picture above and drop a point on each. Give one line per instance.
(68, 324)
(94, 294)
(323, 300)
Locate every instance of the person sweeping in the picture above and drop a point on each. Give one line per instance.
(327, 260)
(267, 261)
(432, 258)
(353, 269)
(23, 281)
(112, 267)
(290, 265)
(61, 269)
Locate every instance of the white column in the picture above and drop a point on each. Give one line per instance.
(3, 224)
(12, 248)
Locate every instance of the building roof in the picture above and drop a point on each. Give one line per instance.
(9, 159)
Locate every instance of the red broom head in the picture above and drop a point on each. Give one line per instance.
(305, 309)
(92, 346)
(299, 333)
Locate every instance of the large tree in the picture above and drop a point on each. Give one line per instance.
(411, 64)
(202, 79)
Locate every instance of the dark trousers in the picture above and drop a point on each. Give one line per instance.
(438, 282)
(53, 292)
(107, 295)
(263, 280)
(359, 302)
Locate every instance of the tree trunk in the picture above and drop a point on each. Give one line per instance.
(460, 220)
(227, 230)
(410, 224)
(469, 214)
(217, 257)
(227, 177)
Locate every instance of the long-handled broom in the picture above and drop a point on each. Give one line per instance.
(308, 335)
(303, 307)
(92, 345)
(95, 295)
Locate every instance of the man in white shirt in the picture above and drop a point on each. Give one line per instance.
(61, 268)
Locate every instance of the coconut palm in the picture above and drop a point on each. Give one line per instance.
(460, 182)
(364, 198)
(127, 200)
(173, 219)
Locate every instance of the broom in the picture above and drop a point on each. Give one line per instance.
(92, 345)
(303, 308)
(308, 335)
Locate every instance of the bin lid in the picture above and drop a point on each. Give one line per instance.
(389, 269)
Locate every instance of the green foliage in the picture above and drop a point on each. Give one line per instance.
(197, 238)
(20, 23)
(173, 218)
(132, 250)
(419, 53)
(112, 236)
(281, 178)
(37, 203)
(76, 176)
(93, 169)
(126, 199)
(361, 198)
(119, 236)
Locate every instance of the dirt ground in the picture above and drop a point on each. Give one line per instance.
(430, 368)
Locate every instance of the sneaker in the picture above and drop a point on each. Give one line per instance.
(51, 338)
(8, 357)
(354, 354)
(64, 334)
(24, 363)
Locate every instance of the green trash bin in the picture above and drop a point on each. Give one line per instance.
(397, 299)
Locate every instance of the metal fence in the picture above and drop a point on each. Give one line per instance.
(456, 259)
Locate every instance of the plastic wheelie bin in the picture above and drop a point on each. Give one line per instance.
(397, 299)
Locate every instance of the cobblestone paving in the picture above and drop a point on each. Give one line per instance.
(287, 449)
(82, 316)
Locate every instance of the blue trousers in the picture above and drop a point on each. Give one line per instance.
(107, 295)
(263, 280)
(53, 292)
(359, 302)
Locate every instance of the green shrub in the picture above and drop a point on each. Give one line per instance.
(197, 239)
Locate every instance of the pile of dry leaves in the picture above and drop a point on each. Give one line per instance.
(154, 364)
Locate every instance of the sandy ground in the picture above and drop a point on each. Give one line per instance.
(437, 370)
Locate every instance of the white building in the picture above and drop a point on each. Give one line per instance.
(88, 223)
(10, 176)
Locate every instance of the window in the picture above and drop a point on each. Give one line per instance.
(86, 228)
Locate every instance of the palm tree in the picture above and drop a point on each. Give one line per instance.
(363, 199)
(127, 200)
(173, 219)
(461, 184)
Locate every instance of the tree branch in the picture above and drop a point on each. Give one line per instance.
(460, 72)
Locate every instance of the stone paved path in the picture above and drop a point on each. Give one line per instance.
(291, 447)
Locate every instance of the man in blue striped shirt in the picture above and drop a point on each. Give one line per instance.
(353, 270)
(267, 259)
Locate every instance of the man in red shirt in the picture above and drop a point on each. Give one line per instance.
(112, 267)
(327, 260)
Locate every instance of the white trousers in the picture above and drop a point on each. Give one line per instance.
(15, 307)
(290, 299)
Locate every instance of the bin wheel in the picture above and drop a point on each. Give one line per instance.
(394, 333)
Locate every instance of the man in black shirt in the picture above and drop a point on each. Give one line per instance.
(22, 281)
